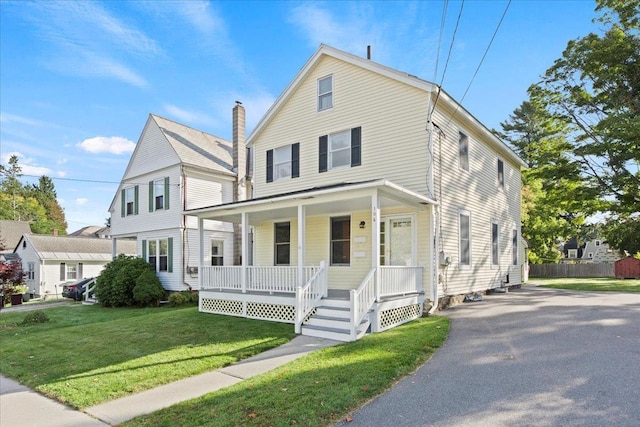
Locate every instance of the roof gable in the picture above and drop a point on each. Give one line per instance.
(11, 232)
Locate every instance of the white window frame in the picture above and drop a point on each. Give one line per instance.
(463, 140)
(31, 271)
(331, 240)
(598, 242)
(158, 255)
(463, 266)
(158, 194)
(501, 177)
(277, 244)
(282, 159)
(331, 152)
(130, 201)
(572, 253)
(325, 94)
(495, 245)
(71, 272)
(515, 256)
(219, 248)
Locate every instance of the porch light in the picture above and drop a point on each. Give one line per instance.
(362, 224)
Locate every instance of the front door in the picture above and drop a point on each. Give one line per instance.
(396, 241)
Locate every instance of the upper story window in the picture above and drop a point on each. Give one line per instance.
(463, 151)
(572, 253)
(283, 162)
(325, 93)
(282, 243)
(598, 242)
(129, 201)
(341, 240)
(464, 233)
(500, 174)
(340, 149)
(159, 194)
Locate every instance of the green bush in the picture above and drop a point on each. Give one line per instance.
(148, 290)
(34, 317)
(114, 286)
(177, 299)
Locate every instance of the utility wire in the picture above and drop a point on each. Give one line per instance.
(481, 61)
(445, 5)
(91, 180)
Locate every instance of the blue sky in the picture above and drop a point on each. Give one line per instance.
(78, 79)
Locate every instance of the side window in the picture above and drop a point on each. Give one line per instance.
(495, 245)
(465, 238)
(160, 254)
(341, 241)
(500, 174)
(217, 252)
(159, 194)
(514, 246)
(325, 93)
(463, 151)
(282, 241)
(340, 149)
(283, 162)
(130, 201)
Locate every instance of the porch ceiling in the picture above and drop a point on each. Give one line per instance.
(318, 202)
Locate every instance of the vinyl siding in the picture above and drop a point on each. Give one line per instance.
(153, 152)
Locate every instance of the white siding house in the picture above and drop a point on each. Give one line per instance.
(374, 192)
(174, 168)
(49, 262)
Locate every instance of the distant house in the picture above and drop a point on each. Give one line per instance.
(572, 251)
(175, 168)
(51, 261)
(10, 233)
(94, 231)
(593, 251)
(375, 195)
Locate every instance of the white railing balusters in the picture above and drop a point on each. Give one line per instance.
(362, 300)
(396, 280)
(278, 279)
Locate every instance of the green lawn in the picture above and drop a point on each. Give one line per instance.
(589, 284)
(318, 389)
(88, 354)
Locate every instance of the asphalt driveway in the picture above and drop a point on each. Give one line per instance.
(531, 357)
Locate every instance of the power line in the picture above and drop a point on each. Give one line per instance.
(481, 61)
(91, 180)
(445, 5)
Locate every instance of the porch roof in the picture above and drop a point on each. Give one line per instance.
(343, 197)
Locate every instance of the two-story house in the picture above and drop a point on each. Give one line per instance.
(175, 168)
(374, 192)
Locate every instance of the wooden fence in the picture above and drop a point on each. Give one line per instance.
(572, 270)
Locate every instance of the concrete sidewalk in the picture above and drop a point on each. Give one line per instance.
(42, 411)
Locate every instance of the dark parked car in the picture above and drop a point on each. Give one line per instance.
(75, 290)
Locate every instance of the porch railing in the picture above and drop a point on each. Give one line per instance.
(308, 296)
(90, 292)
(281, 279)
(396, 280)
(361, 300)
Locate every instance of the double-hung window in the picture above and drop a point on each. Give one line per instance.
(340, 149)
(283, 162)
(464, 224)
(159, 194)
(282, 239)
(463, 151)
(500, 174)
(495, 244)
(325, 93)
(70, 272)
(514, 248)
(217, 252)
(160, 253)
(341, 240)
(131, 201)
(31, 271)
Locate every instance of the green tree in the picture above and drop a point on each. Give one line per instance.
(621, 232)
(595, 88)
(45, 193)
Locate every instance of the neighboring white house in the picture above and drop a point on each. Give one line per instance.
(51, 261)
(172, 169)
(374, 191)
(10, 234)
(598, 251)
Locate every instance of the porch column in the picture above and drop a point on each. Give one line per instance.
(200, 251)
(375, 240)
(301, 244)
(114, 248)
(245, 249)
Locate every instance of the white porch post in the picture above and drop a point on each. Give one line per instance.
(301, 244)
(114, 248)
(375, 240)
(200, 251)
(245, 249)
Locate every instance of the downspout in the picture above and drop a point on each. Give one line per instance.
(183, 228)
(435, 218)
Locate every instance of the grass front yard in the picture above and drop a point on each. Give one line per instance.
(89, 354)
(589, 284)
(316, 390)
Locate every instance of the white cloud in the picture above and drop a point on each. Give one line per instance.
(12, 118)
(186, 116)
(27, 165)
(104, 144)
(80, 201)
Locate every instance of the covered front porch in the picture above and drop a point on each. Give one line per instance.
(336, 261)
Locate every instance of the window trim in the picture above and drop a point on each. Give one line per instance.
(276, 244)
(495, 244)
(325, 154)
(157, 264)
(501, 176)
(464, 138)
(320, 95)
(572, 251)
(463, 266)
(330, 151)
(332, 240)
(219, 256)
(515, 248)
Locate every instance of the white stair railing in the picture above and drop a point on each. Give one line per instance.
(308, 296)
(90, 292)
(362, 300)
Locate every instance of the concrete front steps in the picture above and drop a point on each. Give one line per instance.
(332, 320)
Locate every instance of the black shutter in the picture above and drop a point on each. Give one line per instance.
(151, 204)
(269, 165)
(80, 271)
(295, 160)
(323, 149)
(63, 271)
(355, 146)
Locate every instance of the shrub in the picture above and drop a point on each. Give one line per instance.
(148, 290)
(177, 299)
(114, 286)
(34, 317)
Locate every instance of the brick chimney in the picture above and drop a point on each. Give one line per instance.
(240, 167)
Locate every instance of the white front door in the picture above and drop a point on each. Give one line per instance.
(396, 241)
